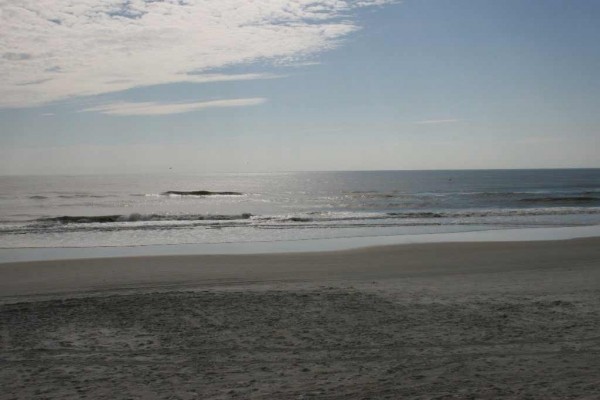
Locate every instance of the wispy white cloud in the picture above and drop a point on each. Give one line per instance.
(437, 121)
(57, 49)
(152, 108)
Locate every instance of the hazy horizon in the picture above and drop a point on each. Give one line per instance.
(192, 173)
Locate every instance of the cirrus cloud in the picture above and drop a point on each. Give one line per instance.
(153, 108)
(57, 49)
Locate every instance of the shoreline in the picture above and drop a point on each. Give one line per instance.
(11, 255)
(174, 272)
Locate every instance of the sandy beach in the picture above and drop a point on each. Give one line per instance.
(426, 321)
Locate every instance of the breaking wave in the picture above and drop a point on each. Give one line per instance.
(67, 219)
(322, 216)
(307, 220)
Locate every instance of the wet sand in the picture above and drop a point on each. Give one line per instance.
(462, 320)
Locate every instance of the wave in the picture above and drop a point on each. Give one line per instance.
(307, 220)
(562, 199)
(82, 196)
(69, 196)
(458, 214)
(322, 216)
(371, 194)
(542, 196)
(510, 212)
(575, 192)
(200, 193)
(68, 219)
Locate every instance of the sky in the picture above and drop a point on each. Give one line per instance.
(195, 86)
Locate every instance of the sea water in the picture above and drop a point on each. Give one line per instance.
(136, 210)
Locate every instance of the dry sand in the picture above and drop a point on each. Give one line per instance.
(464, 320)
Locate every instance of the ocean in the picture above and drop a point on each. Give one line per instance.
(138, 210)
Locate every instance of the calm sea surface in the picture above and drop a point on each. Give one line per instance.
(129, 210)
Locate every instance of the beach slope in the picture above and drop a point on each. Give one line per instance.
(452, 320)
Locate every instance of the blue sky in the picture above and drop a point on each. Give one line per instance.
(233, 85)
